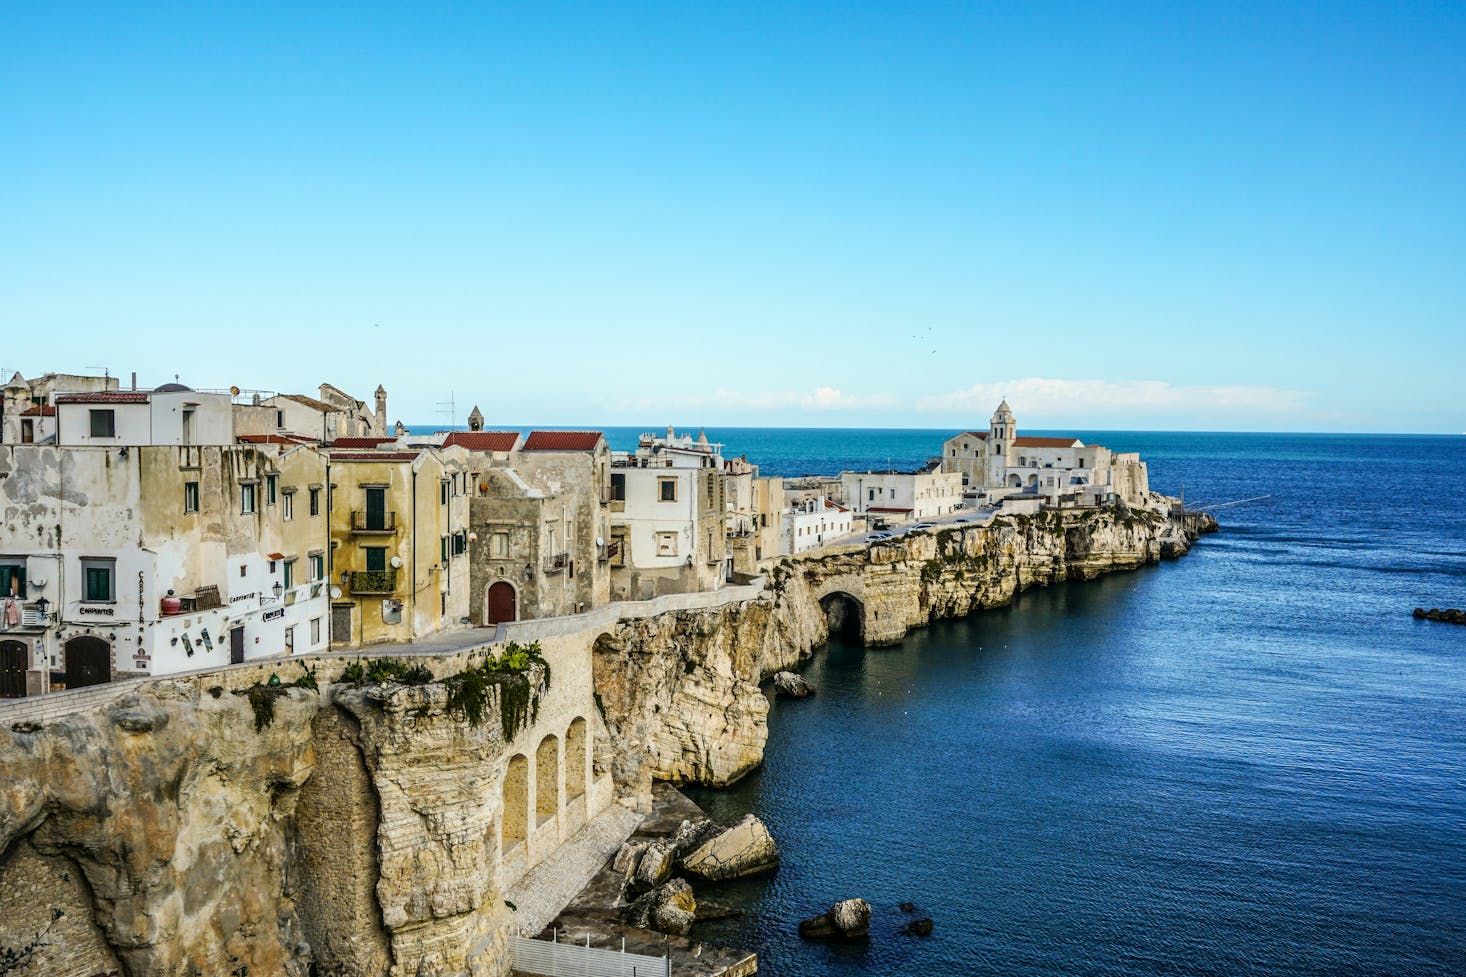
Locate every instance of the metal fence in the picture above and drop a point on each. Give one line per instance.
(547, 959)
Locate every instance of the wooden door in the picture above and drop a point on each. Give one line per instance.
(236, 646)
(88, 662)
(14, 660)
(499, 604)
(376, 508)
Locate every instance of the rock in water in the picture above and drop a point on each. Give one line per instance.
(791, 685)
(847, 920)
(746, 848)
(669, 908)
(919, 927)
(907, 907)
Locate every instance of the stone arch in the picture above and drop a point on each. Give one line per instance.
(547, 779)
(1033, 480)
(516, 801)
(1015, 480)
(577, 747)
(88, 662)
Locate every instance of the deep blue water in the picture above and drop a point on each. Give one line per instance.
(1248, 761)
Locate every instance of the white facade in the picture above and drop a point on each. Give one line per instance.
(104, 538)
(814, 523)
(1000, 462)
(133, 418)
(901, 496)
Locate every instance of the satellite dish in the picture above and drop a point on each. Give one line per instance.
(396, 563)
(335, 593)
(234, 391)
(600, 542)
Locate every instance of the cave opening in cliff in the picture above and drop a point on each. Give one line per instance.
(845, 616)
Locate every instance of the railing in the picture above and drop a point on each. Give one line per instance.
(556, 563)
(547, 959)
(373, 581)
(610, 551)
(373, 522)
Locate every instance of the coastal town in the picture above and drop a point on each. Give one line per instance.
(182, 564)
(149, 532)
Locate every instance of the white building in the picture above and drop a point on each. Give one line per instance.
(897, 496)
(999, 462)
(814, 523)
(150, 560)
(668, 517)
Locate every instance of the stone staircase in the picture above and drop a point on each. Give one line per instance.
(549, 887)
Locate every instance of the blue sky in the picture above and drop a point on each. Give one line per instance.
(1178, 216)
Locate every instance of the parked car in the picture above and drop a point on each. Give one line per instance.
(878, 537)
(924, 525)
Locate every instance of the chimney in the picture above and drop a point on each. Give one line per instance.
(134, 379)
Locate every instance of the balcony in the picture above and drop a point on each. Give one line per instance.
(372, 582)
(373, 523)
(557, 563)
(611, 551)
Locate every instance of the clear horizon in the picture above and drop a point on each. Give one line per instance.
(1203, 218)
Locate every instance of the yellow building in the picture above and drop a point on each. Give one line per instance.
(399, 543)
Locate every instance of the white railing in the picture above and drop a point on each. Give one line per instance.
(546, 959)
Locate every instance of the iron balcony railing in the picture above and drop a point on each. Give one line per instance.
(373, 581)
(373, 522)
(556, 563)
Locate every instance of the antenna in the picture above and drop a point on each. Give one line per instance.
(450, 408)
(107, 373)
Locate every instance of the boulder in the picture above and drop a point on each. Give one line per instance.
(919, 927)
(670, 908)
(628, 857)
(846, 920)
(1418, 613)
(655, 866)
(791, 685)
(907, 907)
(746, 848)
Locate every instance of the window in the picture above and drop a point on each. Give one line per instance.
(443, 493)
(499, 546)
(12, 578)
(272, 489)
(188, 427)
(287, 505)
(666, 544)
(279, 418)
(190, 496)
(289, 580)
(317, 566)
(618, 487)
(104, 423)
(315, 631)
(872, 496)
(443, 545)
(315, 502)
(27, 431)
(289, 641)
(97, 580)
(376, 558)
(460, 543)
(243, 569)
(247, 497)
(667, 489)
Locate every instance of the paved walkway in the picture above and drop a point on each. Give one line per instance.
(548, 888)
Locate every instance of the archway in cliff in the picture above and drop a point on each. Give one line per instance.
(547, 779)
(516, 801)
(845, 615)
(576, 746)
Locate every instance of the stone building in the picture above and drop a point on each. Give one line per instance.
(155, 559)
(999, 462)
(668, 517)
(814, 523)
(902, 496)
(399, 542)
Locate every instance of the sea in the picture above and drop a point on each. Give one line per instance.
(1251, 760)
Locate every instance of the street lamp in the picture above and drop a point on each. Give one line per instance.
(278, 589)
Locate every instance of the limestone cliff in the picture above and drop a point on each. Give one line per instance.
(354, 834)
(680, 691)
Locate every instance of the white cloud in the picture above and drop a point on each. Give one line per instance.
(1044, 397)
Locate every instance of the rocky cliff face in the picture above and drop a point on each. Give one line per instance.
(680, 691)
(355, 834)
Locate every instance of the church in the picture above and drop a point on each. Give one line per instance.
(1000, 462)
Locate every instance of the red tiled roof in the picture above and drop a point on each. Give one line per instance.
(275, 439)
(371, 442)
(483, 440)
(562, 441)
(313, 403)
(835, 505)
(105, 397)
(373, 455)
(39, 410)
(1024, 442)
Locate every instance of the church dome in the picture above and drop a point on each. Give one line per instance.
(172, 388)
